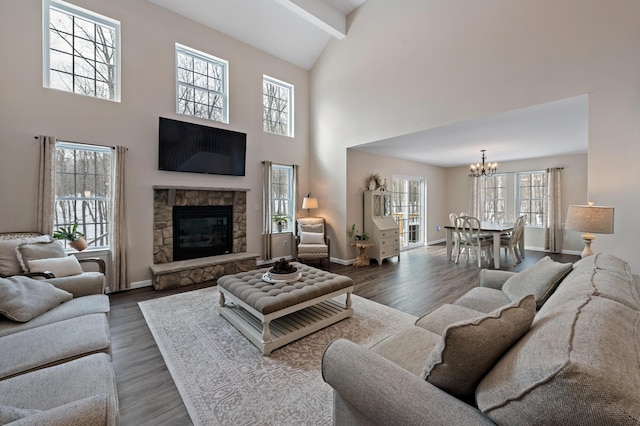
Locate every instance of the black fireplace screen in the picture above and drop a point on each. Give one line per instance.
(200, 231)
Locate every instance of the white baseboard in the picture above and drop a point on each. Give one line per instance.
(140, 284)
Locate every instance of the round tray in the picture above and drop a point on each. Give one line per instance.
(267, 278)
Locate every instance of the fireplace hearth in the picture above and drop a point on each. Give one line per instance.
(200, 231)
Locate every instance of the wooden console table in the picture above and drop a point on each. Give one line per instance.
(362, 259)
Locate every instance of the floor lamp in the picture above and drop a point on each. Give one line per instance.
(590, 218)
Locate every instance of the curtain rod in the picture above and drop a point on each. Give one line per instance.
(83, 143)
(529, 171)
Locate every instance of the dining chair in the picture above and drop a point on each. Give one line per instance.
(511, 243)
(469, 238)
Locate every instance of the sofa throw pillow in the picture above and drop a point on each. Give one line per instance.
(30, 251)
(10, 414)
(23, 298)
(541, 280)
(58, 266)
(468, 349)
(311, 238)
(9, 264)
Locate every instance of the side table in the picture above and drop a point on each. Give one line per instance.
(362, 259)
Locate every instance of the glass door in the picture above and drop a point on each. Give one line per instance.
(408, 210)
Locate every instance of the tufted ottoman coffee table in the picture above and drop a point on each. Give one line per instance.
(272, 315)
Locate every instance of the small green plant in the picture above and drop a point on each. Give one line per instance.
(280, 219)
(70, 233)
(357, 235)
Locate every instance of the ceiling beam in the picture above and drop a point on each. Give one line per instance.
(319, 14)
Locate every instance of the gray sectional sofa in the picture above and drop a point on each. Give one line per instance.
(55, 348)
(554, 344)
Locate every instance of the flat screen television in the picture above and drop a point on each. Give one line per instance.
(188, 147)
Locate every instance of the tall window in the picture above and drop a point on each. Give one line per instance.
(84, 190)
(530, 197)
(81, 51)
(493, 196)
(282, 195)
(277, 106)
(201, 85)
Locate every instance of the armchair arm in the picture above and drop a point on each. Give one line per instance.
(45, 274)
(100, 262)
(494, 279)
(384, 393)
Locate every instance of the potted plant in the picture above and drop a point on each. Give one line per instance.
(71, 234)
(357, 235)
(280, 220)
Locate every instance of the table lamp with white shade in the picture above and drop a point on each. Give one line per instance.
(590, 219)
(309, 202)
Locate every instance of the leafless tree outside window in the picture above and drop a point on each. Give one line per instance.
(276, 108)
(83, 191)
(82, 55)
(201, 86)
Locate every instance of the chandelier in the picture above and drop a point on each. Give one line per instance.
(477, 170)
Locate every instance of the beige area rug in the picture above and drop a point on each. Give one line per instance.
(225, 380)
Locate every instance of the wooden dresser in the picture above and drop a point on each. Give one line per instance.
(379, 224)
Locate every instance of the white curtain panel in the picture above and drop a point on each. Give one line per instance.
(46, 184)
(267, 221)
(119, 239)
(553, 231)
(475, 197)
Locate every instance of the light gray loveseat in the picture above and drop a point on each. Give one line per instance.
(55, 346)
(476, 361)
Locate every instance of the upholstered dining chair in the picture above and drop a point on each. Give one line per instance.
(312, 241)
(469, 238)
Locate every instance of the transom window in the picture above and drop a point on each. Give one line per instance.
(277, 106)
(530, 197)
(201, 85)
(84, 190)
(493, 196)
(81, 51)
(282, 195)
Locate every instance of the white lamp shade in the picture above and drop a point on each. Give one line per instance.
(309, 203)
(594, 219)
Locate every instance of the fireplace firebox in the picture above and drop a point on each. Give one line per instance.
(200, 231)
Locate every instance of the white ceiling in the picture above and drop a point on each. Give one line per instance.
(546, 130)
(294, 30)
(297, 31)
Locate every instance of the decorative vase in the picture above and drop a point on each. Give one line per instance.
(79, 244)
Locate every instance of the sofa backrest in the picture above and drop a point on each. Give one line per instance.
(579, 361)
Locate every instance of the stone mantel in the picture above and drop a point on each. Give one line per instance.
(201, 188)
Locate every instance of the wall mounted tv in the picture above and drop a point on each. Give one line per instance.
(188, 147)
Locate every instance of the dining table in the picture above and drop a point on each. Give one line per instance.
(496, 229)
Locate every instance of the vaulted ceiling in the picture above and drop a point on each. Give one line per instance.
(297, 31)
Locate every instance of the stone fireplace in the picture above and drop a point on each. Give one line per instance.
(214, 240)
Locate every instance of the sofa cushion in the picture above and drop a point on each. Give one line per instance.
(11, 414)
(58, 266)
(23, 298)
(26, 252)
(440, 318)
(585, 349)
(416, 344)
(63, 384)
(96, 303)
(9, 264)
(541, 280)
(63, 340)
(483, 299)
(468, 349)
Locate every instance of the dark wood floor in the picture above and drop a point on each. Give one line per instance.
(422, 280)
